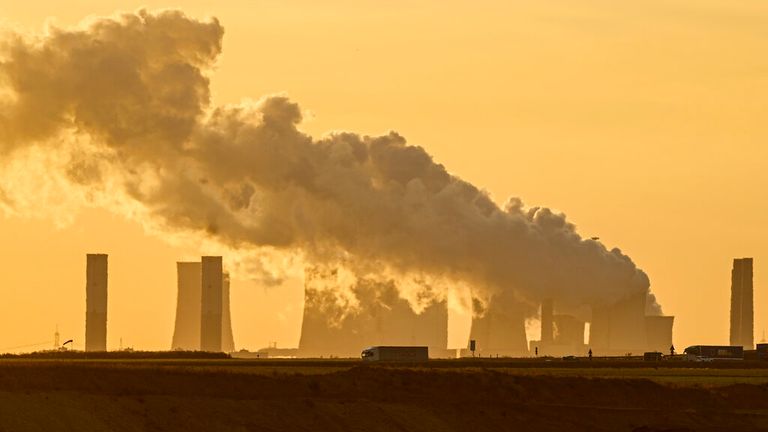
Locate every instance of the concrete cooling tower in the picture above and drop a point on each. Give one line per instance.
(658, 330)
(561, 334)
(333, 326)
(623, 328)
(227, 338)
(619, 328)
(498, 329)
(190, 314)
(186, 333)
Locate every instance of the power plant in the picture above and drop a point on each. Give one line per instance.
(339, 321)
(742, 308)
(96, 302)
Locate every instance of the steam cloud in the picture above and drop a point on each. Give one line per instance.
(120, 109)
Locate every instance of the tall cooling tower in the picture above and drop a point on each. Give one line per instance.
(619, 328)
(742, 308)
(227, 338)
(499, 329)
(658, 330)
(96, 303)
(568, 330)
(332, 326)
(211, 304)
(186, 333)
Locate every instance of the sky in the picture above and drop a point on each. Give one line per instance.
(642, 121)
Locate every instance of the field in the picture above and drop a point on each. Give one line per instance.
(348, 395)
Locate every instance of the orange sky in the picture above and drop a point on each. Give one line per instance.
(643, 123)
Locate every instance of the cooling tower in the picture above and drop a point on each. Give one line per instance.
(227, 338)
(374, 314)
(658, 331)
(742, 311)
(96, 303)
(568, 330)
(186, 334)
(619, 328)
(499, 329)
(211, 304)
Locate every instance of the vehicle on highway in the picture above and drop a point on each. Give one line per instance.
(395, 353)
(714, 352)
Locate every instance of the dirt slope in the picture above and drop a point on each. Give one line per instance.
(82, 396)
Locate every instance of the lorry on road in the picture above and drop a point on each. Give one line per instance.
(708, 353)
(396, 353)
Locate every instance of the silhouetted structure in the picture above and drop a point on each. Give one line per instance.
(373, 314)
(560, 334)
(658, 331)
(499, 327)
(186, 333)
(619, 328)
(568, 331)
(211, 304)
(96, 302)
(742, 310)
(227, 338)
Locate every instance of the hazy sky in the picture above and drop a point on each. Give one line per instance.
(644, 123)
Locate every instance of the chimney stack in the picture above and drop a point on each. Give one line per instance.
(742, 308)
(96, 302)
(211, 304)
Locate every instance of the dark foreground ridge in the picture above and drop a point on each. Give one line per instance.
(60, 395)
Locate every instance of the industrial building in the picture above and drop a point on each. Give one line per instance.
(189, 310)
(338, 326)
(211, 304)
(742, 308)
(96, 302)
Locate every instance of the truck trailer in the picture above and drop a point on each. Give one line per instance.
(714, 352)
(396, 353)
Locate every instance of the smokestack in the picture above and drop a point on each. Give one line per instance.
(547, 308)
(186, 333)
(742, 309)
(96, 302)
(211, 304)
(227, 338)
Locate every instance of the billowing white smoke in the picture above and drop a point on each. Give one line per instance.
(121, 110)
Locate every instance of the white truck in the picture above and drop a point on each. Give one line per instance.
(396, 353)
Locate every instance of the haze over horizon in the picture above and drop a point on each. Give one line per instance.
(610, 114)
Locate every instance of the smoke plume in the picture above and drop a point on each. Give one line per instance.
(118, 113)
